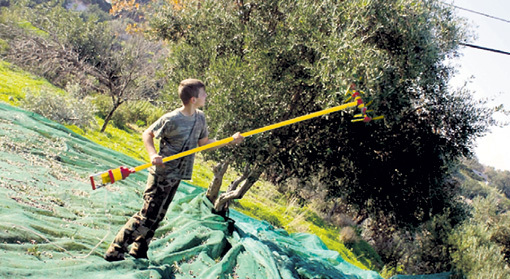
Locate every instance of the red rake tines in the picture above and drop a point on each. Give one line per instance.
(354, 94)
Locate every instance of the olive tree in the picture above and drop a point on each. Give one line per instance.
(269, 61)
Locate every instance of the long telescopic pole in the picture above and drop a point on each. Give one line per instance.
(110, 176)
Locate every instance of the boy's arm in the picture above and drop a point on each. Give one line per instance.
(238, 138)
(148, 141)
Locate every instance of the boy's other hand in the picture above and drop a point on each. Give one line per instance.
(238, 138)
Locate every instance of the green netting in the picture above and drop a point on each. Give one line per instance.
(54, 226)
(444, 275)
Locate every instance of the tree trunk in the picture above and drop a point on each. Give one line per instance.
(214, 188)
(251, 177)
(240, 179)
(116, 105)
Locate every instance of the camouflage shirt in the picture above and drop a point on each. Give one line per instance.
(173, 129)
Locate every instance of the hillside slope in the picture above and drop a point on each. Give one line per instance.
(54, 225)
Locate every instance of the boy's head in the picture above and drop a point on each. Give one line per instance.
(190, 88)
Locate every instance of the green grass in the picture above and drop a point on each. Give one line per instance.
(14, 82)
(261, 202)
(128, 142)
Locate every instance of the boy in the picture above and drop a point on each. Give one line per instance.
(179, 130)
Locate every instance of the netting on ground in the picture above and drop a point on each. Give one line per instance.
(54, 226)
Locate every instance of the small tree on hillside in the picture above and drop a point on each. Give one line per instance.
(131, 72)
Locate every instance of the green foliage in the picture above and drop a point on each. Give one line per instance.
(366, 254)
(268, 61)
(500, 180)
(127, 142)
(57, 106)
(473, 188)
(480, 181)
(265, 203)
(54, 103)
(3, 47)
(480, 246)
(143, 112)
(59, 40)
(420, 250)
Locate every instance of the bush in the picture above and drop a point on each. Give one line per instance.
(421, 250)
(348, 235)
(480, 246)
(473, 188)
(4, 46)
(142, 112)
(59, 107)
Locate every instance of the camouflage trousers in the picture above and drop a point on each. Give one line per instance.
(140, 228)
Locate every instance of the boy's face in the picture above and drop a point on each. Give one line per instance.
(200, 101)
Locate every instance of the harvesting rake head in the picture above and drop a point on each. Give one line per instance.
(356, 95)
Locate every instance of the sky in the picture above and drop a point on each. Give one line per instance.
(490, 72)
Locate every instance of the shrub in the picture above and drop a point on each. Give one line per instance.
(143, 112)
(479, 244)
(102, 104)
(342, 220)
(3, 46)
(348, 235)
(421, 250)
(59, 107)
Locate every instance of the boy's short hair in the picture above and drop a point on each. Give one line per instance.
(189, 88)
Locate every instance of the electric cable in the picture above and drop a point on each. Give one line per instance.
(486, 15)
(478, 13)
(485, 48)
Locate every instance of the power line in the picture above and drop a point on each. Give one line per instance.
(485, 48)
(486, 15)
(479, 13)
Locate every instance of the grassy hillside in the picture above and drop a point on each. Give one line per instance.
(262, 201)
(14, 83)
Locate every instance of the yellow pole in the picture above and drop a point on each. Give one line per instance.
(252, 132)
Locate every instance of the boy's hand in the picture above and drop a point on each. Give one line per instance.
(157, 160)
(238, 138)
